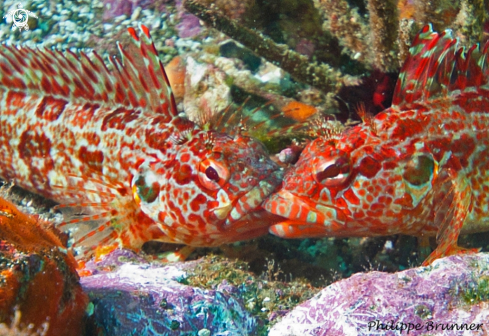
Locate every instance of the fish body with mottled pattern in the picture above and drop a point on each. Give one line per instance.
(419, 168)
(110, 147)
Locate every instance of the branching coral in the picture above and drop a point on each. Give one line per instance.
(321, 75)
(470, 20)
(390, 26)
(373, 44)
(383, 21)
(378, 39)
(347, 25)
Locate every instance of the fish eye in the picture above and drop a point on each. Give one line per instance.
(419, 170)
(334, 171)
(213, 173)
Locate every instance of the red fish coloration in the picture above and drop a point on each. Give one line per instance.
(110, 147)
(417, 168)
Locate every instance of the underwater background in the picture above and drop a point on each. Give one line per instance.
(225, 58)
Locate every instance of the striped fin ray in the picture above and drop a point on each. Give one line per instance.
(468, 72)
(60, 74)
(427, 70)
(150, 72)
(87, 224)
(97, 223)
(139, 81)
(438, 67)
(103, 191)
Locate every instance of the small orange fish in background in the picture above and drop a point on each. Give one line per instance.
(38, 276)
(299, 111)
(418, 168)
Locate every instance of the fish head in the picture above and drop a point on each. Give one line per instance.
(359, 184)
(211, 191)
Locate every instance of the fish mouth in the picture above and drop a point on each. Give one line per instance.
(247, 210)
(303, 219)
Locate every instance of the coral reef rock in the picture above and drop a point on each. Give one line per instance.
(450, 297)
(206, 91)
(137, 298)
(39, 288)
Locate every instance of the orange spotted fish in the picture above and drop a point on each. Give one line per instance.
(110, 147)
(418, 168)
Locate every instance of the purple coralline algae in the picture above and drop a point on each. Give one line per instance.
(189, 25)
(139, 298)
(450, 297)
(114, 8)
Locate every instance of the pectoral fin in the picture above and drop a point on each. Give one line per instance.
(450, 212)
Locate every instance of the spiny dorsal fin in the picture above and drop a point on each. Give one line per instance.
(438, 67)
(139, 81)
(148, 73)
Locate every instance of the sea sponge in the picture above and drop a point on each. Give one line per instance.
(38, 276)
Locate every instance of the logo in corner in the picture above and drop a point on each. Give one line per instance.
(20, 17)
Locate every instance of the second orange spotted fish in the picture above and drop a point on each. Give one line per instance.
(419, 168)
(110, 146)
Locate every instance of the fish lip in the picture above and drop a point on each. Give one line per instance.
(282, 202)
(241, 209)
